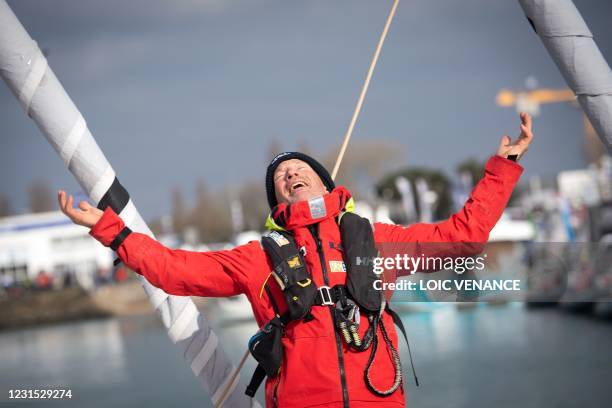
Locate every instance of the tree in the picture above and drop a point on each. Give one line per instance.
(6, 208)
(473, 167)
(274, 148)
(436, 181)
(156, 226)
(255, 209)
(593, 147)
(303, 146)
(40, 197)
(364, 162)
(211, 215)
(179, 211)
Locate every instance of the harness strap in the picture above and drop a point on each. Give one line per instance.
(256, 380)
(330, 296)
(272, 301)
(284, 318)
(325, 296)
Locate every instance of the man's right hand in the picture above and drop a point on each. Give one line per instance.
(87, 215)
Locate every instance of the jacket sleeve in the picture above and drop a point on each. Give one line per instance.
(181, 272)
(474, 222)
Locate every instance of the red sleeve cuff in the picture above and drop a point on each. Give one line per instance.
(504, 168)
(107, 227)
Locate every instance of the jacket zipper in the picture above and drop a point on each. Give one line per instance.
(315, 235)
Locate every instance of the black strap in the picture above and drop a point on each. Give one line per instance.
(116, 197)
(259, 374)
(284, 318)
(256, 380)
(398, 322)
(119, 238)
(274, 305)
(336, 294)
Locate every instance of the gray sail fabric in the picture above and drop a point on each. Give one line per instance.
(570, 44)
(26, 72)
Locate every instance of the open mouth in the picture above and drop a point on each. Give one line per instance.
(297, 186)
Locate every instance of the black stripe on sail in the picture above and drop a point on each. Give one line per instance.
(116, 197)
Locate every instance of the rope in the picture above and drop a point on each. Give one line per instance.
(397, 381)
(397, 365)
(236, 372)
(349, 131)
(364, 90)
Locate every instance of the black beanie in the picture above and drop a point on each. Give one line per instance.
(276, 161)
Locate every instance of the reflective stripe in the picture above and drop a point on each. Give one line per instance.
(204, 355)
(158, 298)
(25, 69)
(102, 185)
(32, 81)
(188, 314)
(72, 141)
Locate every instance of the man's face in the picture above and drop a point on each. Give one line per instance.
(295, 180)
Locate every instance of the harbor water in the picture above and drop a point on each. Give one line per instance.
(502, 356)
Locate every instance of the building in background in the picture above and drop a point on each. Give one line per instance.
(34, 247)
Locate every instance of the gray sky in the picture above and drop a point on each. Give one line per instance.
(179, 90)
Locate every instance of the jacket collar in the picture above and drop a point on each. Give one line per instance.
(313, 211)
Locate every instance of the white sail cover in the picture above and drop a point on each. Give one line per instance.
(25, 70)
(571, 46)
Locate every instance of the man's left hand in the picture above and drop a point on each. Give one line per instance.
(509, 148)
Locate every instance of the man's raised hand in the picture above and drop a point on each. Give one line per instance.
(87, 215)
(508, 148)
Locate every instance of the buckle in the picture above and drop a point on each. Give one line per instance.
(326, 296)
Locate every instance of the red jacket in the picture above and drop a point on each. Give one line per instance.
(311, 373)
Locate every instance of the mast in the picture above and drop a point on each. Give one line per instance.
(25, 70)
(570, 44)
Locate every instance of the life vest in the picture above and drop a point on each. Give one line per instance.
(355, 300)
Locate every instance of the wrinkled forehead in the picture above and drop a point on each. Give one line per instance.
(291, 163)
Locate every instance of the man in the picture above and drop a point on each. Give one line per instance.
(318, 367)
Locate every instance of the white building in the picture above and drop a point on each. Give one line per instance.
(49, 242)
